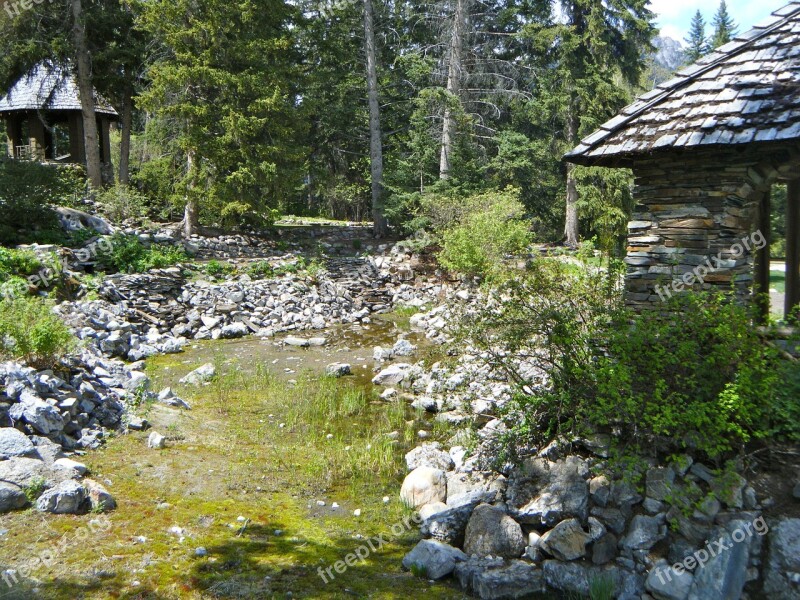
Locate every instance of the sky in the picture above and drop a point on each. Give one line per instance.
(674, 16)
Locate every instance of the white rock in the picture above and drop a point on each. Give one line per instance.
(156, 441)
(424, 485)
(68, 464)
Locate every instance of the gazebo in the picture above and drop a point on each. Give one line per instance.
(43, 118)
(706, 148)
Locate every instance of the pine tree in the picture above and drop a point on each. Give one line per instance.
(724, 27)
(696, 41)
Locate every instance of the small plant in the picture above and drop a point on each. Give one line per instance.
(35, 488)
(260, 270)
(32, 333)
(601, 588)
(214, 268)
(419, 571)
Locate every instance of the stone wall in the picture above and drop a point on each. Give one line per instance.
(695, 223)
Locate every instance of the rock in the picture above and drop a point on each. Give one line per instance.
(23, 472)
(65, 498)
(296, 341)
(47, 450)
(200, 375)
(403, 348)
(434, 559)
(137, 423)
(43, 417)
(68, 464)
(545, 492)
(99, 497)
(14, 443)
(464, 485)
(423, 486)
(156, 441)
(795, 492)
(491, 579)
(12, 497)
(644, 533)
(337, 370)
(380, 354)
(660, 483)
(604, 550)
(566, 541)
(728, 489)
(578, 578)
(491, 532)
(391, 375)
(782, 568)
(168, 398)
(725, 573)
(234, 330)
(434, 508)
(665, 583)
(449, 525)
(429, 455)
(600, 490)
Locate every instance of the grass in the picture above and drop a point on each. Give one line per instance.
(777, 281)
(253, 446)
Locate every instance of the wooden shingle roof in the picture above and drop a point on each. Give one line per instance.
(744, 92)
(49, 87)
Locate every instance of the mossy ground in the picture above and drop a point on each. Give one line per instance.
(253, 446)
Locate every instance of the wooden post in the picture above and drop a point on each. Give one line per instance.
(792, 245)
(762, 260)
(36, 137)
(76, 145)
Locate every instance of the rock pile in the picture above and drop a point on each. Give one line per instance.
(556, 523)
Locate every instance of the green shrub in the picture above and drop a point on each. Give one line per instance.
(260, 270)
(129, 255)
(21, 263)
(121, 202)
(27, 191)
(693, 376)
(490, 230)
(32, 333)
(214, 268)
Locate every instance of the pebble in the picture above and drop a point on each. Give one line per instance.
(200, 552)
(357, 512)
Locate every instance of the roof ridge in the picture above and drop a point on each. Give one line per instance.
(683, 77)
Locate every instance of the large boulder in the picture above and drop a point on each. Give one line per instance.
(66, 498)
(392, 375)
(448, 525)
(644, 533)
(782, 570)
(37, 413)
(725, 574)
(665, 583)
(491, 532)
(424, 485)
(566, 541)
(544, 492)
(429, 455)
(24, 472)
(434, 559)
(14, 443)
(200, 375)
(493, 579)
(12, 497)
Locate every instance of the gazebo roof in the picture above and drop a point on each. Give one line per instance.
(49, 87)
(747, 91)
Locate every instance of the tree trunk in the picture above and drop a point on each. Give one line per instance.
(125, 135)
(460, 27)
(190, 213)
(571, 234)
(375, 141)
(91, 138)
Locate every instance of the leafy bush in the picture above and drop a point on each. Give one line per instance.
(32, 333)
(122, 202)
(260, 270)
(129, 255)
(696, 376)
(21, 263)
(27, 191)
(490, 228)
(214, 268)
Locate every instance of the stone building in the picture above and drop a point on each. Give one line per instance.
(43, 118)
(706, 148)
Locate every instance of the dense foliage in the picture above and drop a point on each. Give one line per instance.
(696, 376)
(32, 333)
(127, 254)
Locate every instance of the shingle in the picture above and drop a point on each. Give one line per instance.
(741, 92)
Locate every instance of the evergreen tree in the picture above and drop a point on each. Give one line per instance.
(724, 27)
(696, 41)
